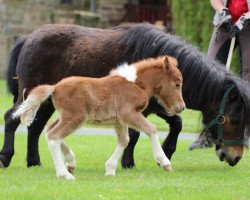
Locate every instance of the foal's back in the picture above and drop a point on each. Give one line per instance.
(98, 98)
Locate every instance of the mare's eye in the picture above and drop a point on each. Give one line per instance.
(178, 85)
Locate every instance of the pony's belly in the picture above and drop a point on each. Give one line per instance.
(109, 121)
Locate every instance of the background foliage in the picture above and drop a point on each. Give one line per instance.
(192, 20)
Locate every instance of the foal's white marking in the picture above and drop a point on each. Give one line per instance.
(127, 71)
(159, 155)
(69, 156)
(111, 163)
(55, 149)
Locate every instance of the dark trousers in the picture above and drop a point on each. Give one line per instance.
(220, 44)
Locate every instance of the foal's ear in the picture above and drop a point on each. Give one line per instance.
(167, 64)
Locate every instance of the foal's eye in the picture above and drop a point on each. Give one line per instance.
(178, 85)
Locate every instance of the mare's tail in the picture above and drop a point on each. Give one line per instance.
(28, 109)
(11, 78)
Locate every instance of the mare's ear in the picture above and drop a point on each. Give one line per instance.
(167, 64)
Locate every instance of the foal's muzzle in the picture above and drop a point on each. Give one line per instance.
(180, 108)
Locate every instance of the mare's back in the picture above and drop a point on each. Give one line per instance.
(58, 51)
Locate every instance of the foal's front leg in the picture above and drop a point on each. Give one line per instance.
(122, 142)
(138, 121)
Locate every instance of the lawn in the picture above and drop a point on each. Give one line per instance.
(197, 174)
(191, 119)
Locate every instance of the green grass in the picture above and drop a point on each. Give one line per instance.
(191, 119)
(197, 174)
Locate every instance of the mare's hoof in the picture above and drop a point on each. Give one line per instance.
(127, 163)
(70, 169)
(34, 164)
(168, 168)
(4, 162)
(127, 160)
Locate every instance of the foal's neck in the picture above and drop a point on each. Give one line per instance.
(147, 81)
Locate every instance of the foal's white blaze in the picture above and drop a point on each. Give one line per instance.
(127, 71)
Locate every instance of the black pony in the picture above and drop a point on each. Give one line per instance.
(56, 51)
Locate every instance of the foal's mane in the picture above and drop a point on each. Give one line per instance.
(205, 80)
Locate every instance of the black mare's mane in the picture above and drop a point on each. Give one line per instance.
(205, 81)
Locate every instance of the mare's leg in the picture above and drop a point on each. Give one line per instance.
(122, 142)
(34, 131)
(127, 160)
(175, 126)
(140, 122)
(9, 135)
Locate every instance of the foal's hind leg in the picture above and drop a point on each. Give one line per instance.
(54, 141)
(122, 142)
(68, 154)
(68, 123)
(69, 157)
(138, 121)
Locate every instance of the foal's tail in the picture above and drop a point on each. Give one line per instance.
(28, 109)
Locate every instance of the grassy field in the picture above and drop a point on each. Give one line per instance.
(191, 119)
(197, 174)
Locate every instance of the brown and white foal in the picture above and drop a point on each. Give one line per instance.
(117, 99)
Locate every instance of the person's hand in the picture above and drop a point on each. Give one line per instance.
(239, 25)
(225, 19)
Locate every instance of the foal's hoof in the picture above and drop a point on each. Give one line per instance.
(110, 174)
(168, 168)
(70, 169)
(67, 176)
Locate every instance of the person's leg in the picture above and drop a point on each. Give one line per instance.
(219, 46)
(244, 43)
